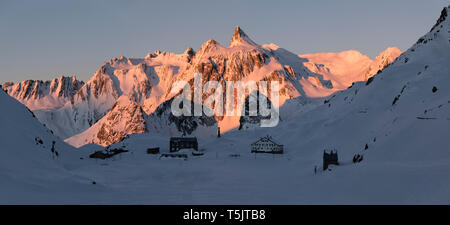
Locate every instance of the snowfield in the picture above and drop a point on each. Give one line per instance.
(399, 121)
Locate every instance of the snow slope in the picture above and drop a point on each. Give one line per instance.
(149, 81)
(33, 162)
(126, 117)
(46, 98)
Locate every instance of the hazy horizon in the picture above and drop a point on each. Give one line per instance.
(46, 39)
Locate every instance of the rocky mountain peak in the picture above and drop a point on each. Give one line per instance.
(189, 53)
(209, 46)
(57, 89)
(444, 14)
(241, 38)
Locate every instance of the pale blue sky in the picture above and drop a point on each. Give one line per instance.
(47, 38)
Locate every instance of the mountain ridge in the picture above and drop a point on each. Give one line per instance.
(147, 81)
(346, 67)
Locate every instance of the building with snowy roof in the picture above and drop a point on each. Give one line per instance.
(177, 143)
(267, 145)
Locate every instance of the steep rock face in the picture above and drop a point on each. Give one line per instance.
(144, 80)
(37, 94)
(251, 117)
(240, 38)
(245, 61)
(163, 121)
(125, 117)
(85, 108)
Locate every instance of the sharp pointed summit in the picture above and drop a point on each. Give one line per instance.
(241, 38)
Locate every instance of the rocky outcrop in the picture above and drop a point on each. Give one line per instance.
(163, 121)
(251, 117)
(382, 61)
(122, 120)
(38, 94)
(125, 117)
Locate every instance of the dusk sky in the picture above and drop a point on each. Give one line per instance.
(46, 39)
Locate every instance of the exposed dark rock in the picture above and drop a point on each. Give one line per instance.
(185, 124)
(246, 118)
(426, 118)
(357, 158)
(153, 150)
(38, 141)
(107, 154)
(369, 80)
(441, 18)
(395, 99)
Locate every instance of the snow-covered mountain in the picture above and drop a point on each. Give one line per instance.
(44, 95)
(402, 112)
(162, 121)
(144, 80)
(396, 123)
(125, 117)
(47, 99)
(350, 66)
(21, 131)
(243, 60)
(146, 83)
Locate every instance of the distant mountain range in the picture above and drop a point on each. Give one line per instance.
(91, 112)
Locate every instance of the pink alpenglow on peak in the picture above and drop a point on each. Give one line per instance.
(129, 95)
(344, 68)
(241, 38)
(44, 95)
